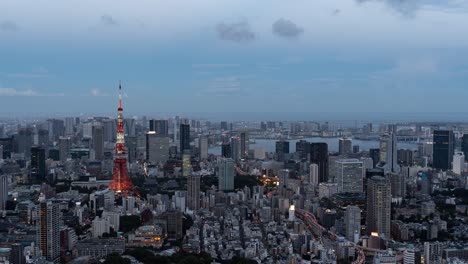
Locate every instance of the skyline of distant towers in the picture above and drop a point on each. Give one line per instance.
(121, 182)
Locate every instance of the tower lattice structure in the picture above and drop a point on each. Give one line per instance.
(121, 182)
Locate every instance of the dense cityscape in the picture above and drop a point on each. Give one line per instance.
(233, 132)
(146, 190)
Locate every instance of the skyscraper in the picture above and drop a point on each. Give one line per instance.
(157, 148)
(398, 182)
(3, 191)
(283, 181)
(379, 198)
(69, 126)
(184, 137)
(313, 174)
(458, 163)
(193, 192)
(56, 129)
(244, 145)
(303, 148)
(319, 156)
(389, 153)
(24, 140)
(282, 149)
(349, 175)
(38, 164)
(226, 174)
(443, 149)
(235, 148)
(98, 142)
(345, 146)
(64, 145)
(226, 150)
(161, 127)
(352, 223)
(464, 146)
(48, 230)
(374, 154)
(203, 147)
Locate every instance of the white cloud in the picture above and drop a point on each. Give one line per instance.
(27, 92)
(97, 92)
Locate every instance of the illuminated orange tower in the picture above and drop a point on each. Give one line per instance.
(121, 182)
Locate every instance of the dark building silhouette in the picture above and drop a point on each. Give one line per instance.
(226, 150)
(303, 148)
(464, 146)
(8, 147)
(319, 156)
(224, 125)
(161, 127)
(244, 145)
(281, 148)
(38, 165)
(443, 149)
(184, 137)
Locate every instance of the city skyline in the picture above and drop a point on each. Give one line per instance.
(234, 57)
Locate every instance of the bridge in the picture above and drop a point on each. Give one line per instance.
(319, 231)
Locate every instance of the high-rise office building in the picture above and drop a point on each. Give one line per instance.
(226, 150)
(389, 153)
(379, 198)
(56, 129)
(244, 145)
(303, 149)
(38, 164)
(224, 125)
(161, 127)
(43, 138)
(374, 154)
(349, 175)
(193, 192)
(398, 182)
(3, 191)
(98, 142)
(352, 221)
(458, 163)
(203, 147)
(184, 137)
(283, 181)
(129, 127)
(282, 149)
(110, 130)
(69, 126)
(64, 148)
(24, 140)
(345, 146)
(235, 148)
(412, 256)
(157, 148)
(443, 149)
(226, 174)
(313, 174)
(319, 156)
(186, 163)
(464, 146)
(48, 230)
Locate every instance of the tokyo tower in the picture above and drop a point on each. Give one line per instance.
(121, 182)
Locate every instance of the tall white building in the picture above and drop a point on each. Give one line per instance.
(313, 174)
(349, 175)
(226, 174)
(458, 163)
(411, 256)
(353, 223)
(113, 218)
(100, 226)
(3, 191)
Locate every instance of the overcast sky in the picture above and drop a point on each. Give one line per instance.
(234, 56)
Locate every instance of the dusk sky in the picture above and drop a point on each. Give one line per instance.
(234, 56)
